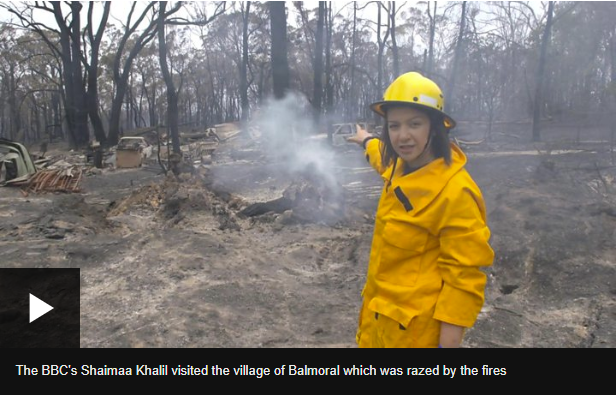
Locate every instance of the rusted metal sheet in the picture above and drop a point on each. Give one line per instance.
(55, 180)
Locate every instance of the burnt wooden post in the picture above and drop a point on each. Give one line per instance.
(98, 158)
(612, 144)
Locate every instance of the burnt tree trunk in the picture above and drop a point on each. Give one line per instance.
(613, 58)
(121, 77)
(350, 103)
(539, 94)
(69, 92)
(394, 44)
(432, 18)
(381, 48)
(56, 110)
(172, 96)
(379, 58)
(244, 67)
(99, 131)
(14, 116)
(74, 106)
(329, 86)
(456, 60)
(280, 64)
(317, 93)
(612, 48)
(82, 135)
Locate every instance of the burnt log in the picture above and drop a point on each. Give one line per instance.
(311, 200)
(260, 208)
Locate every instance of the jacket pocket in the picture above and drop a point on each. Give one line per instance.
(401, 253)
(402, 315)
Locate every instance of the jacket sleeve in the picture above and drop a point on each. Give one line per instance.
(464, 248)
(373, 155)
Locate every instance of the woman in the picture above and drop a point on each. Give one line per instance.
(424, 285)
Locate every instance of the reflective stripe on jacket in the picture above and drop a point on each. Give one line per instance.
(430, 240)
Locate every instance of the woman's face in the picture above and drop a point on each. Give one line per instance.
(409, 130)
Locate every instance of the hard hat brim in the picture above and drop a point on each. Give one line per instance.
(380, 109)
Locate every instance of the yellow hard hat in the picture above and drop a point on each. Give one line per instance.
(413, 89)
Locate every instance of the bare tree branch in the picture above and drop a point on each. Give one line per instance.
(220, 9)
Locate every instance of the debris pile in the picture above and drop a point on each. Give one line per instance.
(197, 147)
(200, 152)
(55, 180)
(173, 201)
(227, 131)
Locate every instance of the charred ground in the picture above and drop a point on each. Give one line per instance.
(173, 263)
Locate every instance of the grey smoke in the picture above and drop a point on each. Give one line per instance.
(289, 136)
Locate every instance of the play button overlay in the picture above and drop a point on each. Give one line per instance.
(39, 307)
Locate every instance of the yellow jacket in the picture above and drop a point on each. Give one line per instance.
(430, 240)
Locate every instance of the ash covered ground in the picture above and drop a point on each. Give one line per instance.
(173, 263)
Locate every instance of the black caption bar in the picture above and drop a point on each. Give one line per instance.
(301, 371)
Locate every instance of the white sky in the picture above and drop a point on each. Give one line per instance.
(120, 9)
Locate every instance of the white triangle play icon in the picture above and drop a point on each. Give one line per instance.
(38, 308)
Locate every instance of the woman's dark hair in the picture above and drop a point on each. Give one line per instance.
(439, 145)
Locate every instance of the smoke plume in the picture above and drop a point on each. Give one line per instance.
(292, 138)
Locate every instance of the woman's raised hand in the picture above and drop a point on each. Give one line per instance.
(360, 135)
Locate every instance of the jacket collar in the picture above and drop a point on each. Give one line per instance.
(423, 185)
